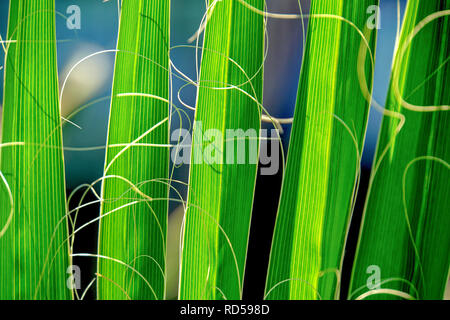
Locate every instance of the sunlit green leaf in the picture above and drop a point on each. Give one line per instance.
(33, 257)
(324, 153)
(221, 190)
(132, 241)
(404, 246)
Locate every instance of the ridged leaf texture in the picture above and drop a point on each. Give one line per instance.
(220, 196)
(324, 154)
(33, 252)
(404, 245)
(133, 228)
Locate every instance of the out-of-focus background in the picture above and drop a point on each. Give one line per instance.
(90, 84)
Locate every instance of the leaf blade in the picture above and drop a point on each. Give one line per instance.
(407, 206)
(217, 222)
(327, 136)
(33, 256)
(134, 227)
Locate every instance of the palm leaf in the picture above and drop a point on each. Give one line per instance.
(32, 192)
(132, 240)
(324, 153)
(404, 239)
(221, 191)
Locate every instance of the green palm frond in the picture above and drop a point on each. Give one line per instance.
(404, 244)
(325, 149)
(133, 228)
(33, 256)
(221, 190)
